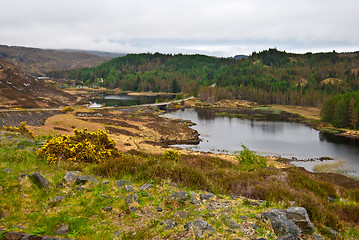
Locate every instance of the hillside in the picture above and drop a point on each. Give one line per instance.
(38, 62)
(20, 90)
(268, 77)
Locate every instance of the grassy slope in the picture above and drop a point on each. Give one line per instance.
(27, 208)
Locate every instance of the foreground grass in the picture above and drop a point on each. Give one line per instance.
(27, 208)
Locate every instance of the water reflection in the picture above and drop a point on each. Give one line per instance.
(286, 139)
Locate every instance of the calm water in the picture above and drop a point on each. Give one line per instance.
(223, 134)
(127, 100)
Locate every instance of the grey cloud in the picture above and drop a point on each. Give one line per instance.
(201, 26)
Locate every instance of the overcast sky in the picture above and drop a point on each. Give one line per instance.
(212, 27)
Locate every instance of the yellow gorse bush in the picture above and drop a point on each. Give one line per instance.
(83, 146)
(22, 129)
(67, 109)
(172, 155)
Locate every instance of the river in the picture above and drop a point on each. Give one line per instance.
(285, 139)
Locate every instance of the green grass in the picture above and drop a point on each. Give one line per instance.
(24, 204)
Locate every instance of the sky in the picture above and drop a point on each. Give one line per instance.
(222, 28)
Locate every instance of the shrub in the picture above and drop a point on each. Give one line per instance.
(23, 128)
(84, 146)
(171, 155)
(67, 109)
(250, 161)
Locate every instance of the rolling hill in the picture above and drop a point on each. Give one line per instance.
(20, 90)
(38, 62)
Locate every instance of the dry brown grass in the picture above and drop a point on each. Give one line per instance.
(306, 112)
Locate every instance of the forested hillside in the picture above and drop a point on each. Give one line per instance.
(267, 77)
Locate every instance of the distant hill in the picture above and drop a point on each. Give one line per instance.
(97, 53)
(238, 57)
(25, 91)
(38, 62)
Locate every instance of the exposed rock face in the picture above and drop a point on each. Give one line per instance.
(281, 224)
(300, 217)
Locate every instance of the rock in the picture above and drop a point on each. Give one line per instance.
(280, 224)
(234, 197)
(117, 233)
(255, 227)
(52, 238)
(334, 233)
(104, 195)
(21, 176)
(7, 170)
(81, 180)
(300, 217)
(200, 228)
(58, 198)
(331, 199)
(14, 236)
(168, 224)
(70, 177)
(128, 188)
(159, 209)
(132, 202)
(105, 182)
(39, 180)
(316, 237)
(121, 183)
(231, 223)
(63, 229)
(178, 196)
(107, 209)
(286, 237)
(206, 196)
(146, 186)
(181, 214)
(187, 225)
(193, 198)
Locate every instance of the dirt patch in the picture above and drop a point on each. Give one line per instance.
(115, 130)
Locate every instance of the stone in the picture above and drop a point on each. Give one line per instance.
(132, 202)
(104, 195)
(33, 237)
(105, 183)
(21, 176)
(51, 238)
(14, 235)
(117, 233)
(193, 198)
(159, 209)
(63, 229)
(121, 183)
(181, 214)
(81, 180)
(39, 180)
(128, 188)
(58, 198)
(168, 224)
(70, 177)
(286, 237)
(206, 196)
(107, 209)
(200, 228)
(334, 233)
(300, 217)
(231, 223)
(316, 237)
(7, 170)
(178, 196)
(146, 186)
(280, 223)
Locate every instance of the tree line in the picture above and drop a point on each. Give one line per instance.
(267, 77)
